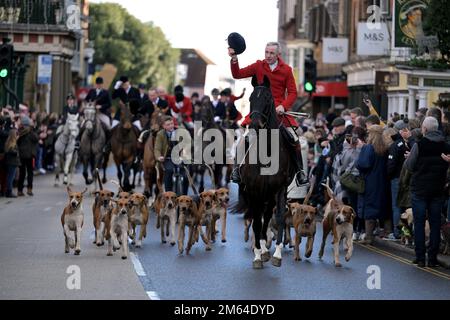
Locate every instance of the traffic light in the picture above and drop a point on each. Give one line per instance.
(310, 75)
(6, 60)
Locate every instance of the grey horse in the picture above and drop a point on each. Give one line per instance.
(92, 142)
(65, 153)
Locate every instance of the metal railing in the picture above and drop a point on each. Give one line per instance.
(50, 12)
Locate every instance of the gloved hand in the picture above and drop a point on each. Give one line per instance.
(118, 84)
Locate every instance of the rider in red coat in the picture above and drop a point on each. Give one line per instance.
(282, 84)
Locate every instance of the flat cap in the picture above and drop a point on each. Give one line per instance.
(338, 122)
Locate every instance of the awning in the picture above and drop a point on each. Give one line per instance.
(328, 89)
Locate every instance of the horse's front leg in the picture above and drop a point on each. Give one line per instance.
(257, 225)
(279, 216)
(126, 176)
(67, 163)
(57, 169)
(119, 173)
(265, 253)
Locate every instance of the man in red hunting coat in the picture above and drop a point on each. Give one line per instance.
(282, 84)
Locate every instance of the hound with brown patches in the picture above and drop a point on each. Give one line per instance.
(72, 219)
(220, 212)
(189, 216)
(138, 216)
(166, 213)
(205, 211)
(338, 218)
(116, 227)
(100, 208)
(304, 222)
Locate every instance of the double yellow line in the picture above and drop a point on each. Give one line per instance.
(405, 261)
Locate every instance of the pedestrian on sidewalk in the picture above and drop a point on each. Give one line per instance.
(11, 161)
(396, 158)
(428, 180)
(27, 142)
(372, 162)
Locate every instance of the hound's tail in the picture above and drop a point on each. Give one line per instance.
(97, 176)
(117, 184)
(329, 192)
(211, 173)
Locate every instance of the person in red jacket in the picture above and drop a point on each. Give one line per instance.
(181, 107)
(282, 84)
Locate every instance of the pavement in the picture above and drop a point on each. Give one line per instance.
(396, 246)
(33, 264)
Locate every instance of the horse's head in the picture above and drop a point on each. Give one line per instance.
(72, 124)
(155, 121)
(89, 116)
(262, 108)
(125, 117)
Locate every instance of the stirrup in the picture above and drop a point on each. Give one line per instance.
(299, 186)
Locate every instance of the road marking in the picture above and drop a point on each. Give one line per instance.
(137, 265)
(48, 209)
(405, 261)
(153, 295)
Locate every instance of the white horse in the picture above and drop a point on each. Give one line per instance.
(65, 153)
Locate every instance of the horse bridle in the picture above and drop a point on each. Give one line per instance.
(266, 117)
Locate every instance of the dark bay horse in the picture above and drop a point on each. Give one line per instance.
(262, 193)
(92, 142)
(149, 162)
(124, 147)
(206, 116)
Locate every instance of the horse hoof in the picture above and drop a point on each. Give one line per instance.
(297, 259)
(338, 265)
(89, 181)
(109, 254)
(104, 180)
(276, 262)
(265, 256)
(163, 241)
(99, 244)
(257, 264)
(66, 251)
(308, 254)
(208, 248)
(224, 240)
(172, 243)
(138, 246)
(124, 257)
(77, 252)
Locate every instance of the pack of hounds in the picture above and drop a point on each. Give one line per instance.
(116, 218)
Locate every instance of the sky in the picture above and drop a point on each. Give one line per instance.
(205, 25)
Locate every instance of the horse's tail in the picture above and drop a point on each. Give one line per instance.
(242, 205)
(211, 173)
(97, 176)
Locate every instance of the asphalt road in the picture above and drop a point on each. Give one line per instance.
(33, 264)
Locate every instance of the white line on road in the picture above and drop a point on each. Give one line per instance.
(137, 265)
(48, 209)
(153, 295)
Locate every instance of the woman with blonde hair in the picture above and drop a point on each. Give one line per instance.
(12, 161)
(372, 164)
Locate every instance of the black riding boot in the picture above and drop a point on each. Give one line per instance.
(298, 161)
